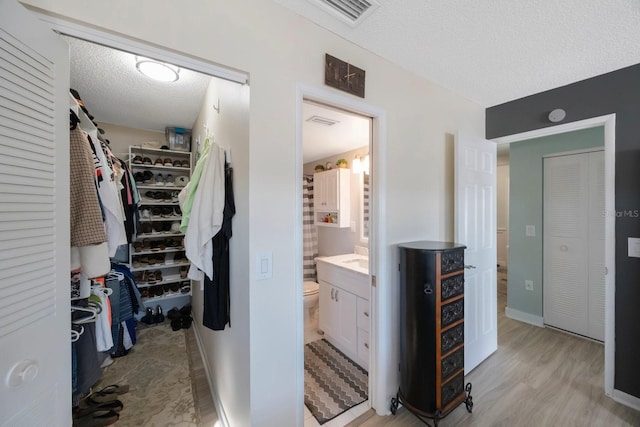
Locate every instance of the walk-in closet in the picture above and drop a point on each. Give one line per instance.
(151, 204)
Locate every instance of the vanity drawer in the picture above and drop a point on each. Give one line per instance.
(452, 312)
(452, 338)
(363, 314)
(451, 287)
(452, 261)
(452, 364)
(452, 389)
(363, 348)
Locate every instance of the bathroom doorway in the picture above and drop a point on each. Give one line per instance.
(336, 201)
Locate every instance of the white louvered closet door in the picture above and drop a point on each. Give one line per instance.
(573, 243)
(35, 356)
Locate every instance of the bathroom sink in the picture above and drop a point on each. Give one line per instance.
(358, 262)
(353, 262)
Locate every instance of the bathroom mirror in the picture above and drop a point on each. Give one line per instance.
(364, 208)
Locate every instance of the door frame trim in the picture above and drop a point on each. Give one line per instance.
(104, 37)
(609, 123)
(380, 391)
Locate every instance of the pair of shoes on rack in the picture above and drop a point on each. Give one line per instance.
(180, 318)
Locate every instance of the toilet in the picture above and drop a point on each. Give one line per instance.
(311, 296)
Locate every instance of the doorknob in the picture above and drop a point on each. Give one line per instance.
(22, 372)
(564, 248)
(469, 267)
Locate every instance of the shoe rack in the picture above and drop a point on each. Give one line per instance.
(156, 256)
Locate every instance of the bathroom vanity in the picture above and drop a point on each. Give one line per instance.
(344, 304)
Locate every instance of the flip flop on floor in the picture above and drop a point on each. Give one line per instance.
(96, 419)
(116, 388)
(86, 407)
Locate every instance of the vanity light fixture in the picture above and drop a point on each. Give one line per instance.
(157, 70)
(360, 164)
(356, 167)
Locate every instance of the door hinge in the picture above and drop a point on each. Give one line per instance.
(373, 281)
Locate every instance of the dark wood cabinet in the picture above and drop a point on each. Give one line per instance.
(432, 329)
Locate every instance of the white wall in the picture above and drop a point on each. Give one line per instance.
(226, 352)
(121, 137)
(280, 49)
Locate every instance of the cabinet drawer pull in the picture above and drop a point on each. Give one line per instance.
(366, 313)
(332, 290)
(366, 345)
(337, 294)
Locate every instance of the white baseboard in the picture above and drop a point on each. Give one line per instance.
(521, 316)
(222, 416)
(626, 399)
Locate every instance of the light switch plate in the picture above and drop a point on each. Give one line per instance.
(634, 247)
(530, 231)
(528, 285)
(264, 266)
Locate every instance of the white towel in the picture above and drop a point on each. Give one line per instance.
(206, 214)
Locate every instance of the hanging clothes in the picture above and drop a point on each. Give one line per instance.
(187, 194)
(217, 301)
(104, 339)
(88, 235)
(110, 197)
(128, 195)
(206, 214)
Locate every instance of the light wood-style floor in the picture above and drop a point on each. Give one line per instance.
(538, 377)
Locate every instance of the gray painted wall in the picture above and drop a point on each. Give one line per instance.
(617, 92)
(525, 208)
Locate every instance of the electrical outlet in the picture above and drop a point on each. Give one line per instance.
(528, 285)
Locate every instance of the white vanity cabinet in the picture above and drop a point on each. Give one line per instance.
(344, 310)
(332, 195)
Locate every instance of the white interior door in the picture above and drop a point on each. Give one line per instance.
(475, 226)
(596, 245)
(35, 353)
(573, 248)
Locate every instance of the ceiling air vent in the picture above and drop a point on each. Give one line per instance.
(324, 121)
(350, 11)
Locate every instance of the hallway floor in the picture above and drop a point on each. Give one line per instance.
(537, 377)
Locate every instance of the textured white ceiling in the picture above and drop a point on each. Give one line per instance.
(115, 92)
(494, 51)
(350, 132)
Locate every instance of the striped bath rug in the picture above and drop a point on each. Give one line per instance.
(332, 382)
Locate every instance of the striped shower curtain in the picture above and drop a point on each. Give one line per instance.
(309, 231)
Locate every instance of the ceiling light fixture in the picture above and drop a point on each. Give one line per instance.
(157, 70)
(557, 115)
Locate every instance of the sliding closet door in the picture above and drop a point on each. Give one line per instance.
(35, 356)
(573, 248)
